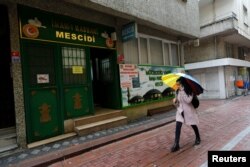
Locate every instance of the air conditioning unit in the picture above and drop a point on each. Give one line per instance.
(196, 43)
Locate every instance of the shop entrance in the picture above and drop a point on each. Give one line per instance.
(57, 87)
(7, 113)
(105, 81)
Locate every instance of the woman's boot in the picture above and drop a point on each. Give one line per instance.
(176, 146)
(197, 134)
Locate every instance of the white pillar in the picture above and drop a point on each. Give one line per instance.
(222, 87)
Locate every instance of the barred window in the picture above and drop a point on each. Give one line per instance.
(74, 65)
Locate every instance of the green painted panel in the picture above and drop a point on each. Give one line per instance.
(44, 114)
(41, 25)
(76, 102)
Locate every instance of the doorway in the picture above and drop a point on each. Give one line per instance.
(105, 80)
(7, 112)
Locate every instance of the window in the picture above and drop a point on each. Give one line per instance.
(229, 50)
(151, 50)
(174, 55)
(131, 52)
(143, 51)
(106, 70)
(166, 54)
(156, 52)
(74, 65)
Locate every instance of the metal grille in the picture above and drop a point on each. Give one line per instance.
(41, 62)
(74, 65)
(106, 70)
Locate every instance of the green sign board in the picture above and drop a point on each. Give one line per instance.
(129, 31)
(41, 25)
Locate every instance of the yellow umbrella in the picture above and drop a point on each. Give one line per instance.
(170, 81)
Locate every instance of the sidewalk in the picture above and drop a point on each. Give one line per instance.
(45, 155)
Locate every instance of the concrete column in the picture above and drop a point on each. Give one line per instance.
(222, 87)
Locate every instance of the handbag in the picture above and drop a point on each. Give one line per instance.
(195, 101)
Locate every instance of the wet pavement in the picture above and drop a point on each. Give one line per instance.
(147, 142)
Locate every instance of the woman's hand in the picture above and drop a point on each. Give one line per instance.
(175, 101)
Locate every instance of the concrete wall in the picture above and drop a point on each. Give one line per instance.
(172, 16)
(243, 22)
(206, 51)
(214, 10)
(209, 49)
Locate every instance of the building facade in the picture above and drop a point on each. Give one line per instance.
(63, 59)
(222, 56)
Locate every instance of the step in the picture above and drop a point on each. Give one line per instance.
(7, 141)
(7, 130)
(7, 148)
(51, 140)
(101, 125)
(7, 136)
(97, 117)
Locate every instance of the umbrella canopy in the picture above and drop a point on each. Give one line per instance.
(170, 80)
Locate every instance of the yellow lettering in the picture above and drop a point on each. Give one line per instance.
(79, 37)
(73, 36)
(59, 34)
(89, 38)
(67, 35)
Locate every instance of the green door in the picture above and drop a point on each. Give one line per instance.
(76, 87)
(43, 117)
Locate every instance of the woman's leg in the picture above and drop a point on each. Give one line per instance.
(176, 146)
(197, 134)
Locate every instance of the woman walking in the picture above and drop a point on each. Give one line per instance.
(186, 113)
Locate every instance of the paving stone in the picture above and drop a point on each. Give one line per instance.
(56, 146)
(74, 141)
(90, 136)
(97, 134)
(10, 159)
(22, 156)
(35, 152)
(147, 146)
(82, 138)
(46, 149)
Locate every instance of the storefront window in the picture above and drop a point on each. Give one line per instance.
(74, 65)
(166, 54)
(174, 54)
(131, 52)
(143, 51)
(151, 50)
(156, 52)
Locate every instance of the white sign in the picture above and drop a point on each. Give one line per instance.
(42, 78)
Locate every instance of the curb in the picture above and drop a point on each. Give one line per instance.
(47, 159)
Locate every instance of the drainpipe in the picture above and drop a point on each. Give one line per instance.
(215, 39)
(215, 47)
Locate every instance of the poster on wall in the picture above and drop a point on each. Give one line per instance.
(142, 83)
